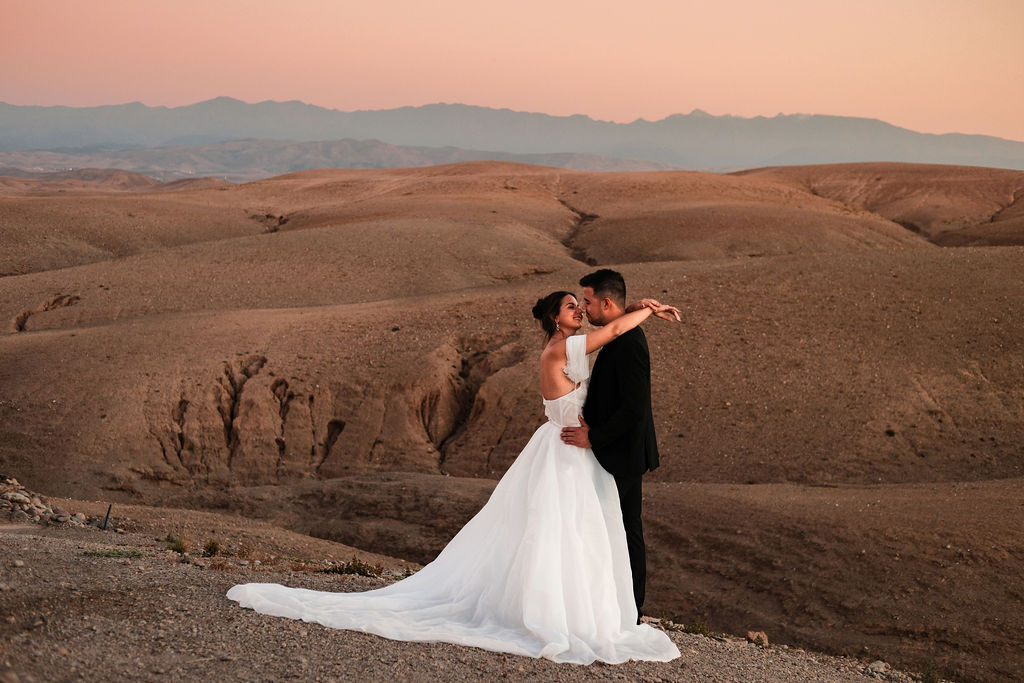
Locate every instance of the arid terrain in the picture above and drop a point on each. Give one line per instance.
(350, 355)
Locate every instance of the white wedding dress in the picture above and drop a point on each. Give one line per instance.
(542, 570)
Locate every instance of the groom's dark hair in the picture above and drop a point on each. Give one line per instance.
(606, 283)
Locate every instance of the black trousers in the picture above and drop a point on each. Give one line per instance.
(630, 499)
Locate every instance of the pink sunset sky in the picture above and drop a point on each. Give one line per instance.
(935, 66)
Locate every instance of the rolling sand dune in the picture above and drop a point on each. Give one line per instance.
(350, 355)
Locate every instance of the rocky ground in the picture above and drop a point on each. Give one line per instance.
(81, 603)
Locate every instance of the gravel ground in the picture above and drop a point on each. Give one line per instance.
(71, 612)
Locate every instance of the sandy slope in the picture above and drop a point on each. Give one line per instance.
(340, 340)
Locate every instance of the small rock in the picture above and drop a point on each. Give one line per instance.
(16, 497)
(758, 638)
(62, 518)
(878, 667)
(4, 587)
(20, 516)
(18, 563)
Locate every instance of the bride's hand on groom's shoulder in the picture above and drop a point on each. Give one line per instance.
(663, 311)
(647, 303)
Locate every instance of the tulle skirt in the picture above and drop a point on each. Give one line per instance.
(542, 570)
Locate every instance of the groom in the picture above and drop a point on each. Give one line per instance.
(617, 422)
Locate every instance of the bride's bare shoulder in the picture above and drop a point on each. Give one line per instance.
(553, 351)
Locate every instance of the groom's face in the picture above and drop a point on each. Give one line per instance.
(592, 306)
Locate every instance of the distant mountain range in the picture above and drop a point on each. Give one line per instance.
(457, 132)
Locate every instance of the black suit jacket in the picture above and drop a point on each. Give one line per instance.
(618, 407)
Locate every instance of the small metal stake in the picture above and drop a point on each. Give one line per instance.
(107, 518)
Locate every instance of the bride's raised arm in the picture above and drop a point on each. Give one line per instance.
(636, 314)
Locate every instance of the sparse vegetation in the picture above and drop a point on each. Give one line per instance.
(698, 627)
(929, 675)
(220, 564)
(212, 548)
(176, 543)
(353, 566)
(113, 552)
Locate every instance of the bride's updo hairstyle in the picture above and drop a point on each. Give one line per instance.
(546, 310)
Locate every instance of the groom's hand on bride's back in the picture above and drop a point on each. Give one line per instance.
(577, 436)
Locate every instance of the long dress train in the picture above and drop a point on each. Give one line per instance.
(542, 570)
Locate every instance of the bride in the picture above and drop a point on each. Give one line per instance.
(542, 570)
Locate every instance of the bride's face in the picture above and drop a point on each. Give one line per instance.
(570, 315)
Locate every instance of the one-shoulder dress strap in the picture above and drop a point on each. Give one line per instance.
(578, 367)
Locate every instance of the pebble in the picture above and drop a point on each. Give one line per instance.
(4, 587)
(18, 563)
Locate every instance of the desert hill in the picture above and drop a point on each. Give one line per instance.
(17, 182)
(254, 159)
(358, 343)
(950, 205)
